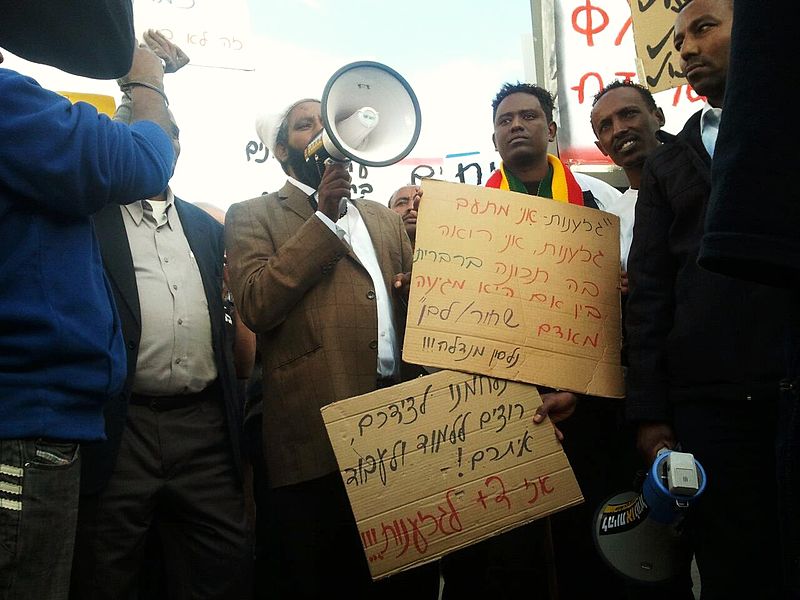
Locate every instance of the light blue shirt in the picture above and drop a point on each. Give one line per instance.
(709, 127)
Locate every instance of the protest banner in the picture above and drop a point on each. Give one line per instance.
(443, 461)
(657, 61)
(212, 33)
(516, 287)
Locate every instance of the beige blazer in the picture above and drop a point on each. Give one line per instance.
(305, 293)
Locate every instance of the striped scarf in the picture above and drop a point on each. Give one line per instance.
(562, 184)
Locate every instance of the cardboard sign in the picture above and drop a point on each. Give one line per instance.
(444, 461)
(516, 287)
(657, 61)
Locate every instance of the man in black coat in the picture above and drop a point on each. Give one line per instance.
(171, 465)
(758, 241)
(704, 350)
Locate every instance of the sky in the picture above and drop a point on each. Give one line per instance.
(444, 49)
(411, 35)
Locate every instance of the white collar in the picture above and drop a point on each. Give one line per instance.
(306, 189)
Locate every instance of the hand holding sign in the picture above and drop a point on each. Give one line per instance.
(174, 58)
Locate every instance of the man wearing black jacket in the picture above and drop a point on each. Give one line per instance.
(171, 464)
(705, 350)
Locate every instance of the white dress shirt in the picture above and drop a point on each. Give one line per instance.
(353, 231)
(625, 208)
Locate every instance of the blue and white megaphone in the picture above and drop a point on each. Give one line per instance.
(640, 535)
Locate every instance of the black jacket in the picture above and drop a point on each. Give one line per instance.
(691, 334)
(205, 239)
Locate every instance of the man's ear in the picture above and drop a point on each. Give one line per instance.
(552, 129)
(281, 152)
(494, 142)
(660, 116)
(600, 147)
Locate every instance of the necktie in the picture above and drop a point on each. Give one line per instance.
(711, 129)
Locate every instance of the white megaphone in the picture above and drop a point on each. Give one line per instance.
(640, 535)
(370, 115)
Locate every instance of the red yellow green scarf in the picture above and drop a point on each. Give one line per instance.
(559, 182)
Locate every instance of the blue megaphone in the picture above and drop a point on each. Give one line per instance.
(640, 535)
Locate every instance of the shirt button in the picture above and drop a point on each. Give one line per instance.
(166, 260)
(373, 344)
(177, 361)
(180, 321)
(175, 286)
(371, 295)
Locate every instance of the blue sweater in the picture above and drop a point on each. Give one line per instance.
(61, 349)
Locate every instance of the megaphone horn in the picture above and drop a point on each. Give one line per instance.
(370, 115)
(639, 535)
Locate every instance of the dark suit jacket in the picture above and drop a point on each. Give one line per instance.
(312, 302)
(205, 239)
(691, 334)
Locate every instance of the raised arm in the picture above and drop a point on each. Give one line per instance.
(268, 281)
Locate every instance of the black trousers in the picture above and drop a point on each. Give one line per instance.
(734, 526)
(321, 551)
(174, 471)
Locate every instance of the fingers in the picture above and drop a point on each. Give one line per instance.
(402, 283)
(157, 36)
(557, 405)
(538, 417)
(335, 181)
(170, 53)
(334, 186)
(652, 437)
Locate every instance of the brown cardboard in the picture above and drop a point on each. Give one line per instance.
(426, 464)
(516, 287)
(657, 61)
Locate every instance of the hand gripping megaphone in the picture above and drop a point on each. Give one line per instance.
(370, 115)
(640, 535)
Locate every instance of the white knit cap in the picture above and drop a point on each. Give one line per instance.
(268, 124)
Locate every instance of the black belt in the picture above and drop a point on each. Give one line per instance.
(162, 403)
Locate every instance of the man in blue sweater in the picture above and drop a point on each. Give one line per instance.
(61, 349)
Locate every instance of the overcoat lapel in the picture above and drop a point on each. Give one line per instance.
(117, 258)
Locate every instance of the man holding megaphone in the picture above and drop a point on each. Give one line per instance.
(320, 280)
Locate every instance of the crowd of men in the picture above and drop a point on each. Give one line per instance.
(162, 373)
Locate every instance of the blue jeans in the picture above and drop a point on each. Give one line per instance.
(39, 482)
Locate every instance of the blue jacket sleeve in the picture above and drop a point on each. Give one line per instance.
(70, 159)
